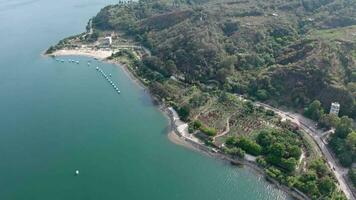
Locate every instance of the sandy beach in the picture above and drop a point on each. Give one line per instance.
(98, 54)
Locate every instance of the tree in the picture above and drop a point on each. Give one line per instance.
(278, 149)
(230, 27)
(171, 67)
(294, 151)
(289, 164)
(319, 167)
(314, 111)
(344, 127)
(262, 94)
(249, 146)
(264, 138)
(328, 121)
(184, 112)
(248, 107)
(326, 185)
(345, 159)
(231, 141)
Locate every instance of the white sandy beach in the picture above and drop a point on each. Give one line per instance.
(99, 54)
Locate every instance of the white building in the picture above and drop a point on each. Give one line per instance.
(107, 41)
(335, 108)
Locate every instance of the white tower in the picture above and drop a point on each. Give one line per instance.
(335, 108)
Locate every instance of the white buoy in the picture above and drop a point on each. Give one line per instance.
(76, 172)
(110, 75)
(97, 68)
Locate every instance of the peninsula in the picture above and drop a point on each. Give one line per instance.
(249, 81)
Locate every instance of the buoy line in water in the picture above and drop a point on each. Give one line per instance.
(98, 69)
(108, 79)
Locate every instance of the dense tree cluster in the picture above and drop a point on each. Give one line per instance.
(280, 148)
(246, 144)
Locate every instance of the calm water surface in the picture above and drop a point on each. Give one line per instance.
(58, 117)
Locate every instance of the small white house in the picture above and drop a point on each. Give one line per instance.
(335, 108)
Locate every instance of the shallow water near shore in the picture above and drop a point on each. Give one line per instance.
(58, 117)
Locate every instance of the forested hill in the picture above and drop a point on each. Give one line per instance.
(286, 52)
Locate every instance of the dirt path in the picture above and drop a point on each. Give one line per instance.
(227, 130)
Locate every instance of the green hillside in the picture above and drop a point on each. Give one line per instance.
(286, 52)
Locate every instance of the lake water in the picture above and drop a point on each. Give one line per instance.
(59, 117)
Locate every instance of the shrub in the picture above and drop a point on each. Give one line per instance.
(208, 131)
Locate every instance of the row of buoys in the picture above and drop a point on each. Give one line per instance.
(69, 60)
(98, 69)
(109, 80)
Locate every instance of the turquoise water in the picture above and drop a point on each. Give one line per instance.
(58, 117)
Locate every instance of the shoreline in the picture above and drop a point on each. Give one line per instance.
(98, 54)
(174, 135)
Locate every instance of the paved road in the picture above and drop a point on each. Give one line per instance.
(310, 128)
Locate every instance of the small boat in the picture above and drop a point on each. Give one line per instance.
(77, 62)
(77, 172)
(97, 68)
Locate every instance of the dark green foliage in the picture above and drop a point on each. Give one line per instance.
(343, 142)
(328, 121)
(315, 111)
(344, 127)
(184, 112)
(281, 148)
(317, 181)
(270, 113)
(248, 145)
(262, 94)
(230, 27)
